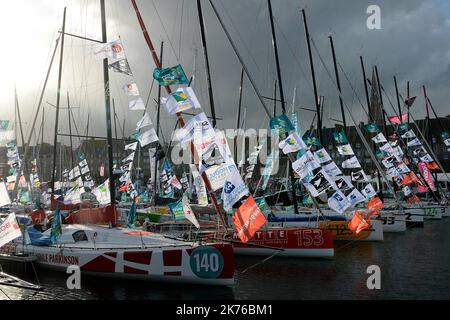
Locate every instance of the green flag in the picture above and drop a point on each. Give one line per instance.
(177, 210)
(4, 124)
(403, 127)
(282, 124)
(170, 76)
(56, 231)
(372, 128)
(340, 137)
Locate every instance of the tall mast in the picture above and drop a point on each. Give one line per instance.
(205, 56)
(398, 99)
(112, 189)
(275, 98)
(58, 98)
(407, 97)
(157, 126)
(428, 131)
(238, 116)
(283, 102)
(366, 90)
(115, 118)
(70, 132)
(21, 130)
(381, 101)
(311, 63)
(435, 115)
(218, 210)
(338, 82)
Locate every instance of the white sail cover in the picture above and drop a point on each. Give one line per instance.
(4, 196)
(9, 230)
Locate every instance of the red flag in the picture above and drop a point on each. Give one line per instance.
(397, 120)
(123, 188)
(411, 178)
(432, 166)
(413, 199)
(102, 170)
(248, 219)
(358, 223)
(375, 204)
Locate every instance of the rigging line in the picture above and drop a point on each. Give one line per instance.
(239, 35)
(165, 31)
(181, 28)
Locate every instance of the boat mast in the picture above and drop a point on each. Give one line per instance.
(238, 116)
(155, 182)
(381, 102)
(205, 56)
(338, 83)
(58, 98)
(283, 102)
(398, 99)
(70, 132)
(275, 98)
(219, 212)
(112, 189)
(311, 63)
(21, 130)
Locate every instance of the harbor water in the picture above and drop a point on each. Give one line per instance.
(414, 265)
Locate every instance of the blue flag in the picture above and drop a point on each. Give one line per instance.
(170, 76)
(282, 124)
(56, 231)
(177, 210)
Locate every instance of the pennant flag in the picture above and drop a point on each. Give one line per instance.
(175, 182)
(4, 125)
(388, 162)
(56, 231)
(380, 154)
(188, 213)
(332, 169)
(148, 137)
(311, 140)
(397, 120)
(102, 193)
(4, 195)
(131, 146)
(427, 158)
(186, 133)
(181, 100)
(411, 178)
(447, 142)
(409, 102)
(292, 143)
(379, 138)
(372, 128)
(177, 210)
(84, 170)
(268, 169)
(248, 219)
(403, 168)
(340, 138)
(282, 124)
(137, 104)
(445, 135)
(355, 197)
(345, 150)
(233, 190)
(414, 142)
(294, 118)
(132, 215)
(406, 190)
(305, 164)
(112, 50)
(426, 175)
(338, 202)
(369, 191)
(9, 230)
(408, 134)
(200, 187)
(322, 156)
(387, 148)
(319, 183)
(359, 176)
(432, 166)
(343, 184)
(375, 204)
(358, 223)
(121, 66)
(74, 173)
(129, 158)
(351, 163)
(131, 89)
(170, 76)
(413, 199)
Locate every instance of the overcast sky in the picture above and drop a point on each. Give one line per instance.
(413, 44)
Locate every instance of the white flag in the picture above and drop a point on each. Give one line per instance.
(4, 196)
(83, 163)
(233, 190)
(145, 121)
(427, 158)
(369, 191)
(409, 134)
(403, 168)
(447, 142)
(181, 100)
(338, 202)
(186, 133)
(129, 158)
(200, 187)
(131, 89)
(175, 182)
(85, 169)
(406, 190)
(9, 230)
(387, 148)
(148, 137)
(322, 156)
(379, 138)
(137, 104)
(305, 164)
(112, 50)
(188, 213)
(74, 173)
(355, 197)
(292, 143)
(345, 150)
(353, 162)
(414, 142)
(332, 169)
(131, 146)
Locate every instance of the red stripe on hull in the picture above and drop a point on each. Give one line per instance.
(172, 258)
(138, 257)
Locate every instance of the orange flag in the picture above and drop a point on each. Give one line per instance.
(358, 223)
(432, 166)
(413, 199)
(248, 219)
(411, 178)
(375, 204)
